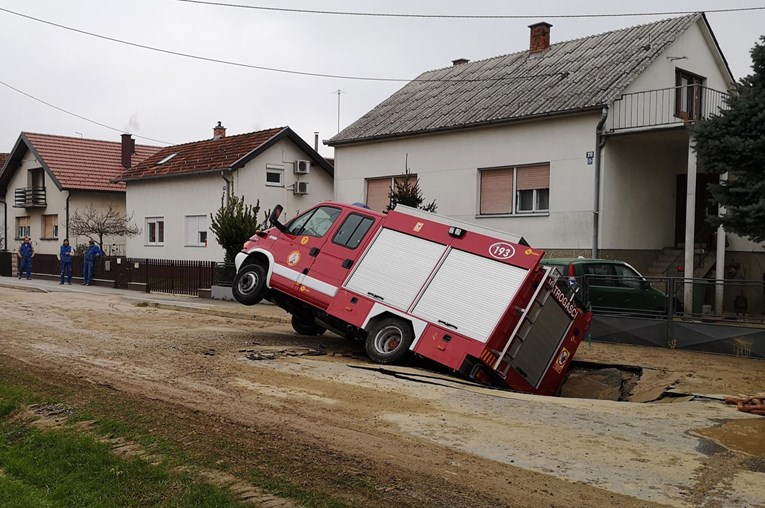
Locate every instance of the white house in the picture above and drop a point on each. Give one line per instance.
(582, 147)
(173, 193)
(46, 179)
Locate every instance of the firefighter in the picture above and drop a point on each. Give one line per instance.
(65, 255)
(26, 253)
(91, 254)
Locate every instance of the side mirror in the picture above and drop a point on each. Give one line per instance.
(273, 219)
(644, 284)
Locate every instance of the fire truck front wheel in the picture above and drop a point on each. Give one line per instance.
(389, 339)
(249, 284)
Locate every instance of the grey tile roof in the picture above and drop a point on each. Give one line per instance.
(569, 76)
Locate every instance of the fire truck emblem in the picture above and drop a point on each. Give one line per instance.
(418, 227)
(293, 258)
(501, 250)
(561, 361)
(530, 252)
(304, 240)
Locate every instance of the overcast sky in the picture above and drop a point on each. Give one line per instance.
(176, 100)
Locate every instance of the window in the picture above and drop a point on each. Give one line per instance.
(274, 176)
(50, 226)
(155, 230)
(352, 231)
(688, 95)
(22, 227)
(314, 223)
(523, 189)
(196, 230)
(533, 183)
(379, 188)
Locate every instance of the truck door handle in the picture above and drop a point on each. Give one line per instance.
(447, 324)
(313, 252)
(347, 263)
(378, 297)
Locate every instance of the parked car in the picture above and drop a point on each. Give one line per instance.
(611, 286)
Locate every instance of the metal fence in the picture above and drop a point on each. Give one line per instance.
(159, 275)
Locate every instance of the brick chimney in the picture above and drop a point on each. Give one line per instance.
(219, 131)
(540, 37)
(128, 149)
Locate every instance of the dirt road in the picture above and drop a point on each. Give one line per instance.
(420, 438)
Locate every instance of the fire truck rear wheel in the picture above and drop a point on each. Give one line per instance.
(305, 326)
(389, 339)
(249, 284)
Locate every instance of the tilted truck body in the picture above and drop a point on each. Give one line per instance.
(469, 298)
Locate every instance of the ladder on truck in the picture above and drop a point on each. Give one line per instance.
(523, 328)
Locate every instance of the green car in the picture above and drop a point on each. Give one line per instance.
(611, 286)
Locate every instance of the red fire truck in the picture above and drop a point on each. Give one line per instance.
(472, 299)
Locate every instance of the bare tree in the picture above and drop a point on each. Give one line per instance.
(95, 224)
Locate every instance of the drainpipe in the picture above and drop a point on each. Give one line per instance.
(600, 142)
(228, 185)
(68, 195)
(5, 225)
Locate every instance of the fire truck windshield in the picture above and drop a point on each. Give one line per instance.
(314, 223)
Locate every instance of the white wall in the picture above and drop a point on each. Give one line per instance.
(447, 165)
(175, 198)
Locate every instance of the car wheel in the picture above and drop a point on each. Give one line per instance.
(249, 284)
(306, 326)
(389, 339)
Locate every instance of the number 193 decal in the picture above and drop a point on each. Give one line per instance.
(501, 250)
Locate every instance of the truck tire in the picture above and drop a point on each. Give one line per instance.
(306, 326)
(249, 284)
(389, 339)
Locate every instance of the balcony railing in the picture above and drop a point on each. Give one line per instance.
(666, 107)
(29, 197)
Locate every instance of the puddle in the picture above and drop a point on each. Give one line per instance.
(746, 435)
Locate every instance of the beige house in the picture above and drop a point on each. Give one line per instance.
(582, 147)
(173, 192)
(46, 179)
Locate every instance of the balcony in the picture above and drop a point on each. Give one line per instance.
(676, 106)
(29, 197)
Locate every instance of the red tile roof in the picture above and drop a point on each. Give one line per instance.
(86, 164)
(207, 155)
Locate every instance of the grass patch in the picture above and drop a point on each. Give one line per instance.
(64, 468)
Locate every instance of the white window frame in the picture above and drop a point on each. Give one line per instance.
(195, 240)
(277, 170)
(54, 226)
(154, 221)
(27, 230)
(515, 198)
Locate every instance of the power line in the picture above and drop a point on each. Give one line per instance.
(76, 115)
(275, 69)
(463, 16)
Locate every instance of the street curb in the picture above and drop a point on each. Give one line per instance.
(212, 312)
(23, 288)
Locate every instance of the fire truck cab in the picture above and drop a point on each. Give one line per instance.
(472, 299)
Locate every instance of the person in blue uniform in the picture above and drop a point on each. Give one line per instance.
(90, 261)
(26, 253)
(65, 255)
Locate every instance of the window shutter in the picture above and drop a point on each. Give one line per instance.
(377, 194)
(496, 191)
(533, 177)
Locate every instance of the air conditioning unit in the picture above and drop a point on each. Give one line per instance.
(302, 167)
(300, 188)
